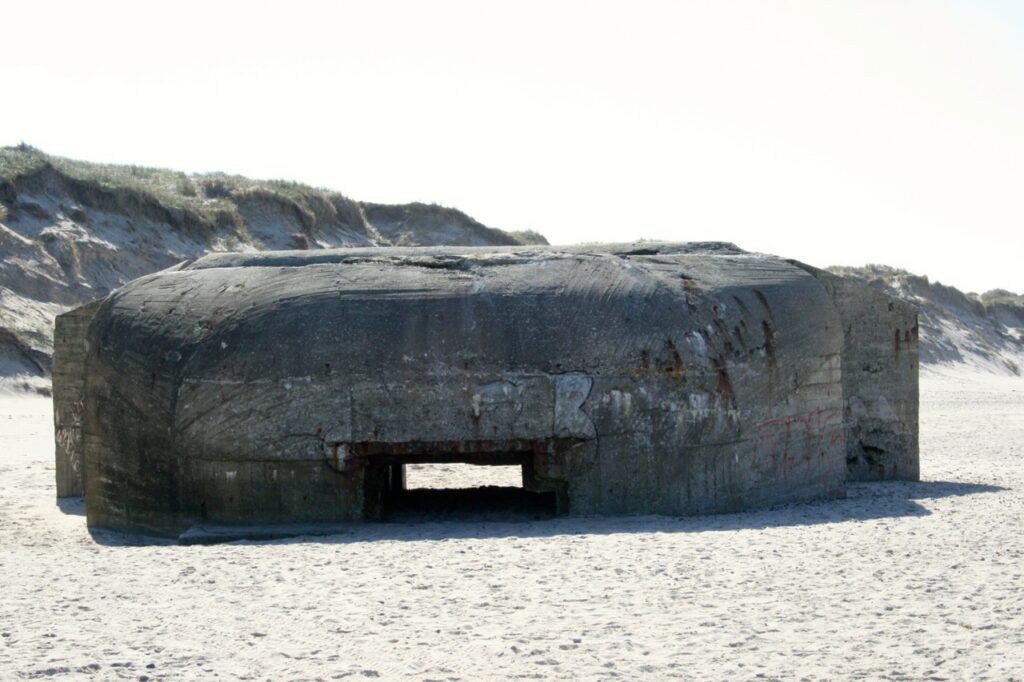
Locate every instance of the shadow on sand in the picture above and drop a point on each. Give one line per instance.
(72, 506)
(493, 517)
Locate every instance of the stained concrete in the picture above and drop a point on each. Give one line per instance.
(69, 341)
(291, 387)
(880, 387)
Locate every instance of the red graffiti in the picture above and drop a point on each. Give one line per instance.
(788, 446)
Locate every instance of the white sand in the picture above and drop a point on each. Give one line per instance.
(898, 581)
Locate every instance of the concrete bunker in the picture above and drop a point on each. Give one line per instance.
(293, 387)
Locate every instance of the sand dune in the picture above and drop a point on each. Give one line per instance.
(71, 231)
(899, 580)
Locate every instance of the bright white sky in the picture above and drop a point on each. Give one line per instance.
(835, 132)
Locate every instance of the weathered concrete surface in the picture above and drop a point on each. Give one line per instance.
(267, 388)
(880, 380)
(286, 387)
(69, 339)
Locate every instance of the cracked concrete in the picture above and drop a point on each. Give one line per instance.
(650, 378)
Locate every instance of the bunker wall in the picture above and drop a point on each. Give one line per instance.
(880, 380)
(69, 353)
(647, 382)
(638, 380)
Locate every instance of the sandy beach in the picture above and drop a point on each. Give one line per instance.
(897, 581)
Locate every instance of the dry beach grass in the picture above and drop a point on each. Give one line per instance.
(897, 581)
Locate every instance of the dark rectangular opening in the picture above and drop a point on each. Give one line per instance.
(460, 490)
(455, 481)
